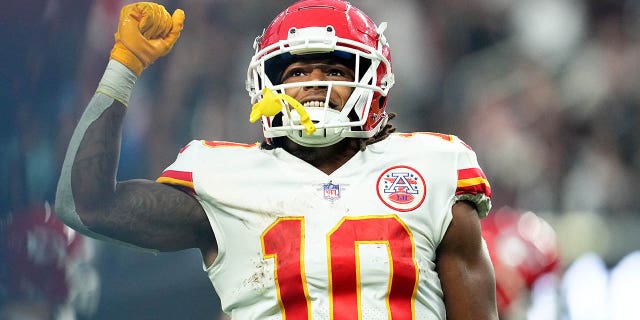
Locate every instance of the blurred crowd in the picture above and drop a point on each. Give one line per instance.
(546, 92)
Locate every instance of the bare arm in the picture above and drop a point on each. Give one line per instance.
(464, 268)
(140, 212)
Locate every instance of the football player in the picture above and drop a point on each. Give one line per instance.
(333, 216)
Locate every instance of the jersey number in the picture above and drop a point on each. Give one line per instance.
(283, 241)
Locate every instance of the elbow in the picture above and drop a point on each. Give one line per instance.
(65, 210)
(62, 207)
(66, 214)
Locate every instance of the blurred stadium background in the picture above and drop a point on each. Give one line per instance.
(547, 92)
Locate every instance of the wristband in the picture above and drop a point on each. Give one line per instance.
(117, 82)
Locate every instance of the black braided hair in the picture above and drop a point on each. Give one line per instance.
(387, 130)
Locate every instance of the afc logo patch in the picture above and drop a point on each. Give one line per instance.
(401, 188)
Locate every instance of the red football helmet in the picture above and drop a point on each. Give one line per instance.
(337, 29)
(522, 247)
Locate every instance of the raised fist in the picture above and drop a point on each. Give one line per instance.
(146, 32)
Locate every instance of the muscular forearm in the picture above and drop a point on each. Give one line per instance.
(93, 171)
(137, 212)
(87, 180)
(141, 213)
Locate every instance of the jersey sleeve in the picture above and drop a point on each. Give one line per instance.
(472, 184)
(180, 172)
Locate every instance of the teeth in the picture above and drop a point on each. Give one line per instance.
(313, 104)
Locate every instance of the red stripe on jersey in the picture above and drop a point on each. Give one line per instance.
(177, 178)
(446, 137)
(466, 145)
(473, 181)
(216, 144)
(470, 173)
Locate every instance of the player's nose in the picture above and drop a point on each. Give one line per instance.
(316, 75)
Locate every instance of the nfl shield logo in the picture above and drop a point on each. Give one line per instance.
(331, 191)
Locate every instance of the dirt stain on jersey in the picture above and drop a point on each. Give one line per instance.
(262, 278)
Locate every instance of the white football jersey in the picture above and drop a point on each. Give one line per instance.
(360, 243)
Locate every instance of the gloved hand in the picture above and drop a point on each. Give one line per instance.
(145, 33)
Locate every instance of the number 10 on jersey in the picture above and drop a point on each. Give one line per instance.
(283, 241)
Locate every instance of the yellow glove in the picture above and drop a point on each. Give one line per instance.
(146, 32)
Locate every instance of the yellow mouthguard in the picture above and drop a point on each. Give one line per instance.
(271, 104)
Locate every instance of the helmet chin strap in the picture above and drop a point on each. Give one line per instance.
(322, 137)
(331, 126)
